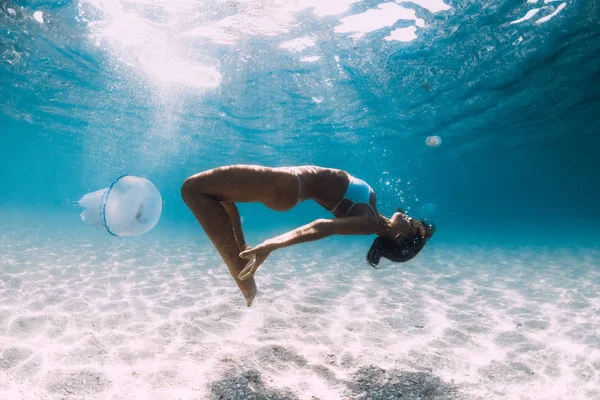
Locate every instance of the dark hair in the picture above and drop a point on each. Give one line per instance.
(394, 250)
(399, 250)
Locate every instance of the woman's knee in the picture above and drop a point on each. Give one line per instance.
(190, 189)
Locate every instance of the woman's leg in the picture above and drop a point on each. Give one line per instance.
(236, 223)
(276, 188)
(217, 224)
(211, 195)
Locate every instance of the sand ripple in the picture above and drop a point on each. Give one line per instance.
(159, 318)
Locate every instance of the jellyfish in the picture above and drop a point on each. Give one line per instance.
(433, 141)
(131, 206)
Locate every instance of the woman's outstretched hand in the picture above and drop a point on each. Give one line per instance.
(257, 255)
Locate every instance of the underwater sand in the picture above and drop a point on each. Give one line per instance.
(160, 318)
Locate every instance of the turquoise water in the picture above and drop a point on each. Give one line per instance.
(506, 292)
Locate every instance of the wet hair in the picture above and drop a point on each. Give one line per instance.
(400, 249)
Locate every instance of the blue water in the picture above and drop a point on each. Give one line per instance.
(515, 106)
(90, 90)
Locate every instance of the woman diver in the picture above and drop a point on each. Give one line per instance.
(212, 194)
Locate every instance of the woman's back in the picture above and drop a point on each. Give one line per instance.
(328, 187)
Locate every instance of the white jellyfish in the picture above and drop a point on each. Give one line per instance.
(131, 206)
(433, 141)
(39, 16)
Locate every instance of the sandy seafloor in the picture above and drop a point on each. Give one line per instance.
(158, 317)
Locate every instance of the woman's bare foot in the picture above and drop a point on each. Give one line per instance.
(248, 288)
(250, 295)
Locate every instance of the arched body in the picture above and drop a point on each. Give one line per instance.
(212, 194)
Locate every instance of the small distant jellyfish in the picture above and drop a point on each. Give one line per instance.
(433, 141)
(39, 16)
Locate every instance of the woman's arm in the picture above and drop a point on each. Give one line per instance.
(322, 228)
(316, 230)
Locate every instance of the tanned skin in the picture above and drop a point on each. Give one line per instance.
(212, 196)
